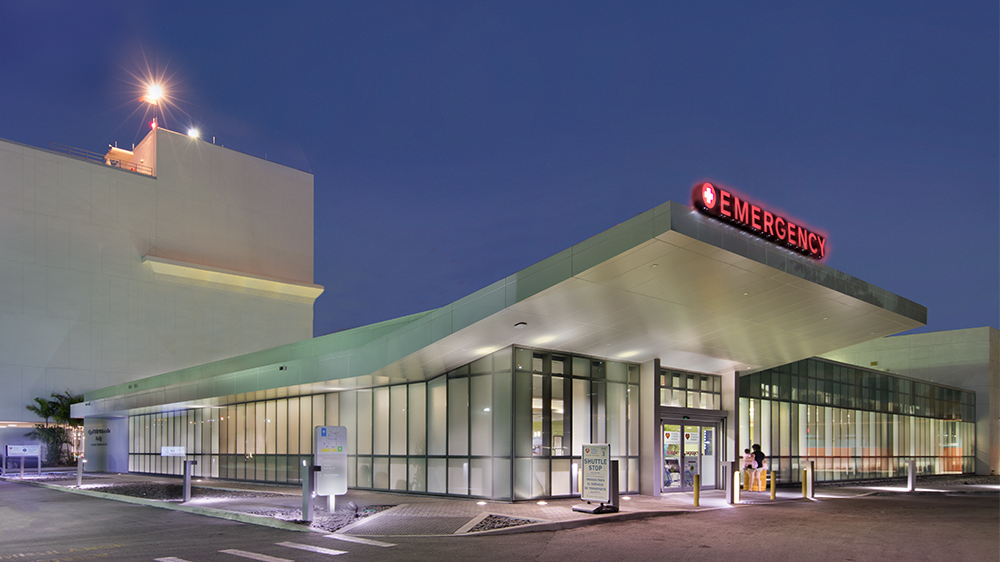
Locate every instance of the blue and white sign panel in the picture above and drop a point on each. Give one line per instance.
(24, 450)
(596, 473)
(331, 457)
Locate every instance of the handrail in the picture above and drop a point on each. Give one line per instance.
(100, 158)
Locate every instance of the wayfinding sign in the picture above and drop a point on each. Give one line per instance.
(172, 452)
(24, 450)
(331, 457)
(596, 473)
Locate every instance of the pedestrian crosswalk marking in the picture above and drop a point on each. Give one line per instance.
(359, 540)
(170, 559)
(254, 556)
(311, 548)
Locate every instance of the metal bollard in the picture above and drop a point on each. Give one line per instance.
(774, 479)
(697, 490)
(187, 479)
(911, 477)
(737, 484)
(812, 479)
(805, 476)
(79, 471)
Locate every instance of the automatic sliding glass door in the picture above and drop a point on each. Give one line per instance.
(689, 450)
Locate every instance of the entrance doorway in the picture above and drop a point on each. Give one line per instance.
(689, 450)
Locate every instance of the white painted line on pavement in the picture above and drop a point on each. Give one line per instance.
(170, 559)
(254, 556)
(311, 548)
(359, 540)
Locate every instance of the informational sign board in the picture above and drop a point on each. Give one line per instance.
(672, 437)
(331, 456)
(24, 450)
(172, 452)
(596, 462)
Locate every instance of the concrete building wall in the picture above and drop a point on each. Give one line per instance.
(80, 309)
(968, 359)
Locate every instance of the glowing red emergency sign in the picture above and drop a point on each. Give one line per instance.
(721, 204)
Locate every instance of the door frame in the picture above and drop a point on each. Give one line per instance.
(693, 417)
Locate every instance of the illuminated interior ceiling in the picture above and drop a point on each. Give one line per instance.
(693, 304)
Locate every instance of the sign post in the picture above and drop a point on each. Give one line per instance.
(600, 480)
(331, 457)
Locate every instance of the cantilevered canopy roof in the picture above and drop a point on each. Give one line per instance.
(668, 284)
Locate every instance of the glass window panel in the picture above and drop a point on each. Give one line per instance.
(481, 366)
(481, 477)
(380, 423)
(481, 414)
(501, 479)
(417, 420)
(318, 411)
(523, 478)
(522, 414)
(281, 427)
(437, 476)
(581, 367)
(380, 473)
(397, 473)
(437, 419)
(417, 475)
(633, 419)
(502, 416)
(364, 424)
(458, 418)
(537, 414)
(333, 409)
(558, 409)
(270, 428)
(348, 405)
(305, 426)
(617, 421)
(561, 477)
(241, 428)
(581, 415)
(540, 477)
(617, 371)
(364, 472)
(293, 426)
(558, 365)
(397, 423)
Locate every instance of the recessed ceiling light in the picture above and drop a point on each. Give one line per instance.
(745, 294)
(520, 325)
(655, 265)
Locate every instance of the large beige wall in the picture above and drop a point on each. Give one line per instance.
(81, 310)
(968, 359)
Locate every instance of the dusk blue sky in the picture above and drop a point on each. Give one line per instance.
(455, 143)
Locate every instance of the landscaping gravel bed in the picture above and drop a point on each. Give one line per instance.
(175, 492)
(492, 522)
(322, 519)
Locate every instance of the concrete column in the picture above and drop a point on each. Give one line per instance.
(650, 436)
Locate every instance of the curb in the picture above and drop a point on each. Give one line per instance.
(197, 510)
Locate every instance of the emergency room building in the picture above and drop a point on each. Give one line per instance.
(675, 337)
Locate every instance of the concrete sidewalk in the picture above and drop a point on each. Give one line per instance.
(414, 515)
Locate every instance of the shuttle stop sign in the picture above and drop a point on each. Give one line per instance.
(331, 457)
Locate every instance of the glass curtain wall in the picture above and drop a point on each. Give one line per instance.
(855, 423)
(483, 430)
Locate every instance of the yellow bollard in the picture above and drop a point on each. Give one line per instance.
(804, 476)
(774, 478)
(737, 482)
(697, 490)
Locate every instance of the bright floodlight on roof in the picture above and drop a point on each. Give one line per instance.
(153, 94)
(193, 133)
